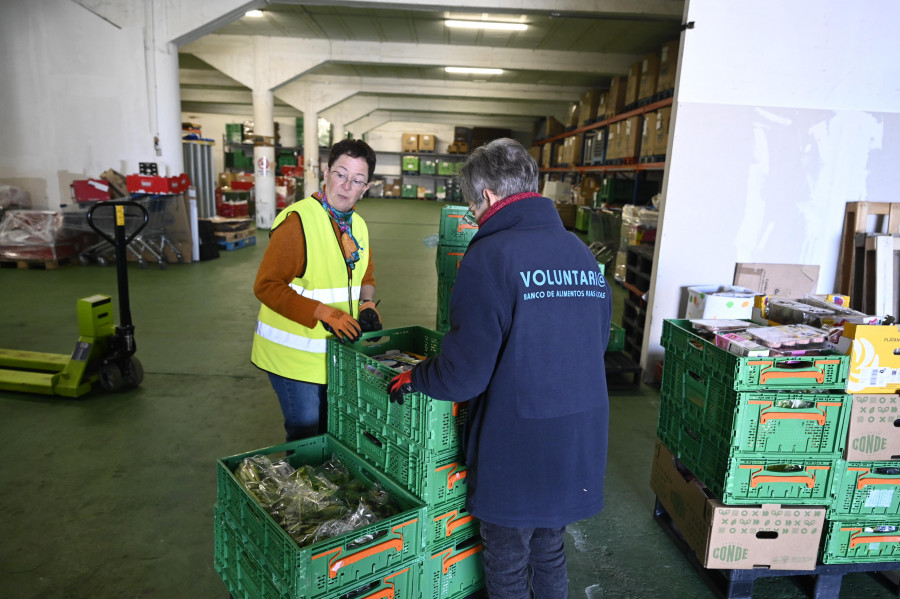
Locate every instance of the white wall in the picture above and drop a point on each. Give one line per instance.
(75, 99)
(784, 111)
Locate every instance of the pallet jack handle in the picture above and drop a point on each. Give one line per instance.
(120, 241)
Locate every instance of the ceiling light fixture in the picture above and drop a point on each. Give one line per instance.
(253, 13)
(476, 70)
(486, 25)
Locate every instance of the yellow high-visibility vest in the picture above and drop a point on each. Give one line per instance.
(288, 348)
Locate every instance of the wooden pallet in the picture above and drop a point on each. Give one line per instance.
(861, 218)
(35, 264)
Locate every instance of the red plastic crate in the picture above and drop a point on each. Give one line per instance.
(90, 190)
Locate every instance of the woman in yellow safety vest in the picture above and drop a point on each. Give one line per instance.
(316, 274)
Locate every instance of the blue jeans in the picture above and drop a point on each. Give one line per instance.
(518, 559)
(303, 405)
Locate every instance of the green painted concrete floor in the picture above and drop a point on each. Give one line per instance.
(112, 495)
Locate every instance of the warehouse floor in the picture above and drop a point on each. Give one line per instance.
(112, 495)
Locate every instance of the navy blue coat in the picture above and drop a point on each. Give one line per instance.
(529, 323)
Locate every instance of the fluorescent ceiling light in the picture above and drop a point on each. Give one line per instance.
(476, 70)
(253, 13)
(486, 25)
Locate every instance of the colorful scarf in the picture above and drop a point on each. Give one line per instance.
(349, 245)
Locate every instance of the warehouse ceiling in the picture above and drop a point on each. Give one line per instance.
(393, 54)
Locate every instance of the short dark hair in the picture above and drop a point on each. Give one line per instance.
(504, 166)
(354, 148)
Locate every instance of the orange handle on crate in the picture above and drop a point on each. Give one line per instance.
(386, 593)
(336, 563)
(862, 481)
(454, 475)
(461, 225)
(757, 479)
(806, 374)
(856, 538)
(453, 522)
(448, 560)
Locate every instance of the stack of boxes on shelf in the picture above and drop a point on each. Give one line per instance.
(428, 547)
(454, 237)
(421, 160)
(787, 453)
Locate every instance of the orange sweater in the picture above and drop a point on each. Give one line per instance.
(285, 260)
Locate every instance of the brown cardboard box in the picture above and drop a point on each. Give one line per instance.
(649, 75)
(777, 280)
(547, 155)
(668, 62)
(587, 106)
(873, 436)
(736, 537)
(574, 111)
(566, 214)
(633, 84)
(571, 150)
(648, 134)
(660, 131)
(602, 99)
(535, 152)
(615, 100)
(426, 142)
(613, 140)
(631, 137)
(410, 142)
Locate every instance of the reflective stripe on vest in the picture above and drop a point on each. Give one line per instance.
(288, 348)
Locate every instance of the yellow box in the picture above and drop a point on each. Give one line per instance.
(874, 358)
(426, 142)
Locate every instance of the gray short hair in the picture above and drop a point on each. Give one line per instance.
(504, 166)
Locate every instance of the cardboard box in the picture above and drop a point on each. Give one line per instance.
(777, 537)
(722, 301)
(778, 280)
(615, 100)
(648, 136)
(660, 131)
(633, 84)
(463, 134)
(90, 190)
(587, 106)
(874, 358)
(547, 155)
(873, 434)
(571, 150)
(410, 142)
(566, 214)
(668, 62)
(572, 121)
(631, 138)
(426, 142)
(558, 191)
(602, 99)
(535, 152)
(649, 75)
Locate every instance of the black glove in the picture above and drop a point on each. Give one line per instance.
(399, 386)
(369, 318)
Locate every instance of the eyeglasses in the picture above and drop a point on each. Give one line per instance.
(469, 218)
(342, 178)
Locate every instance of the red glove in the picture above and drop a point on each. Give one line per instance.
(399, 386)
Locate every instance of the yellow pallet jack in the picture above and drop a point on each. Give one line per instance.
(104, 352)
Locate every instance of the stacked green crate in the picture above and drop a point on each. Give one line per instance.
(417, 444)
(754, 430)
(258, 559)
(454, 237)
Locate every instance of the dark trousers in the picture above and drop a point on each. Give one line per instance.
(520, 563)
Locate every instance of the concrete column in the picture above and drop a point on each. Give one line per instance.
(311, 172)
(264, 157)
(339, 132)
(168, 111)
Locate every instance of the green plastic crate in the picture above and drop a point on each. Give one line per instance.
(453, 230)
(442, 322)
(861, 541)
(783, 422)
(616, 338)
(427, 167)
(453, 570)
(799, 481)
(234, 133)
(410, 164)
(616, 191)
(336, 564)
(582, 218)
(752, 374)
(866, 490)
(446, 168)
(447, 260)
(449, 522)
(426, 422)
(435, 478)
(409, 191)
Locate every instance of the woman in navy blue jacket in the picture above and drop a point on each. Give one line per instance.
(529, 324)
